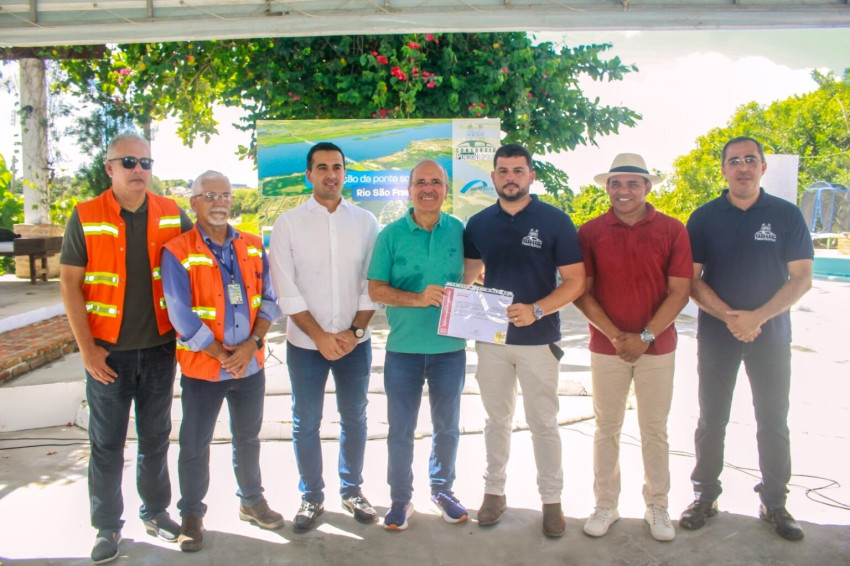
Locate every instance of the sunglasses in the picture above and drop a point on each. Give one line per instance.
(130, 162)
(210, 196)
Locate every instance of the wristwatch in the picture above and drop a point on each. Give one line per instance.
(647, 337)
(538, 311)
(259, 341)
(358, 332)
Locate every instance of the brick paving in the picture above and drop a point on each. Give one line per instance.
(25, 349)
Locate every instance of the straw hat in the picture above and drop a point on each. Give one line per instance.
(628, 164)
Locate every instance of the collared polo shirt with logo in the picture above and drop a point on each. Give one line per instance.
(522, 253)
(745, 255)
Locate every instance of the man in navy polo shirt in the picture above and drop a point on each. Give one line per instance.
(523, 243)
(752, 260)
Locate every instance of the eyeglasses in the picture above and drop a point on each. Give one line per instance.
(422, 183)
(129, 162)
(749, 160)
(210, 196)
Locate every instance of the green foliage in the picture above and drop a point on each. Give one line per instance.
(11, 205)
(93, 133)
(247, 223)
(532, 89)
(60, 210)
(815, 126)
(591, 201)
(245, 201)
(11, 210)
(183, 202)
(562, 201)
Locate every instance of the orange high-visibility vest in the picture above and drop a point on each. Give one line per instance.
(106, 271)
(209, 294)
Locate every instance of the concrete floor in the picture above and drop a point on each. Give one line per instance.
(44, 518)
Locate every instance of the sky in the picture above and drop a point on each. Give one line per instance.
(688, 83)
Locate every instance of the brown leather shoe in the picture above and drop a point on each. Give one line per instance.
(261, 515)
(191, 537)
(554, 523)
(491, 509)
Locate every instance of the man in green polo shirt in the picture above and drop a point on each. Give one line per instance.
(414, 257)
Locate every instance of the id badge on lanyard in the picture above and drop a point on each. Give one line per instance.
(234, 291)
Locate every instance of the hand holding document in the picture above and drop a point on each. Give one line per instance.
(475, 313)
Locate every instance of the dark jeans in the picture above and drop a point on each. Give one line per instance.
(768, 367)
(145, 377)
(308, 373)
(202, 402)
(404, 377)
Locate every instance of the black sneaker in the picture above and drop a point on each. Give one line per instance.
(695, 515)
(786, 526)
(106, 546)
(360, 507)
(305, 519)
(162, 527)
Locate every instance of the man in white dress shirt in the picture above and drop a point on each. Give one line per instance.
(319, 255)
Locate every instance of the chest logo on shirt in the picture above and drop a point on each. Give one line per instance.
(533, 240)
(765, 234)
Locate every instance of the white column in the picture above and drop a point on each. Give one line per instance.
(34, 141)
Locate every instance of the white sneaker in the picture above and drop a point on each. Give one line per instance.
(659, 523)
(598, 523)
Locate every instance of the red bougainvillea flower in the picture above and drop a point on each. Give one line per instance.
(429, 37)
(382, 60)
(413, 45)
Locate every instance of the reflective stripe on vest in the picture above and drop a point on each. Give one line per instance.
(207, 313)
(196, 259)
(169, 222)
(100, 228)
(101, 309)
(101, 278)
(253, 251)
(256, 301)
(156, 273)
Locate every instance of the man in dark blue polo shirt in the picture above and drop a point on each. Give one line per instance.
(523, 243)
(752, 260)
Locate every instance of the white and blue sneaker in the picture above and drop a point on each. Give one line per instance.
(447, 504)
(397, 516)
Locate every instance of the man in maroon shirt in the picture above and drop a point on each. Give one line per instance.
(639, 269)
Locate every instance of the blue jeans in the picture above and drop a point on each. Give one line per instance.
(768, 368)
(202, 402)
(404, 377)
(308, 373)
(147, 377)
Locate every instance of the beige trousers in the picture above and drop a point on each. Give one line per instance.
(653, 380)
(536, 369)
